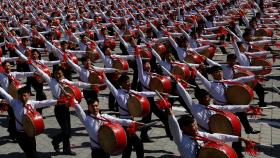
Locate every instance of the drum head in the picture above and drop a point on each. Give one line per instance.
(177, 70)
(107, 139)
(28, 126)
(93, 78)
(220, 124)
(190, 59)
(209, 152)
(261, 63)
(134, 107)
(117, 64)
(156, 84)
(238, 95)
(12, 90)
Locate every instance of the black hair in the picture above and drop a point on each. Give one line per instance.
(123, 78)
(83, 59)
(231, 56)
(200, 93)
(5, 62)
(214, 69)
(92, 100)
(63, 42)
(59, 68)
(35, 50)
(185, 121)
(24, 89)
(246, 34)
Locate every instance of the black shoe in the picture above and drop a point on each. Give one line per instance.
(72, 153)
(252, 131)
(145, 139)
(55, 146)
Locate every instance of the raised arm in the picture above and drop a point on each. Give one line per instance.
(175, 129)
(7, 96)
(44, 103)
(232, 108)
(220, 137)
(80, 112)
(76, 67)
(111, 87)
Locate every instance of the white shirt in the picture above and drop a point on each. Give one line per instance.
(19, 109)
(4, 80)
(200, 112)
(92, 125)
(188, 147)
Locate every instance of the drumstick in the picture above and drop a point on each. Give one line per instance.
(147, 125)
(277, 90)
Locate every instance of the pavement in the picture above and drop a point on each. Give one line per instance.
(268, 124)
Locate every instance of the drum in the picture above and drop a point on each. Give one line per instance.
(263, 32)
(96, 77)
(73, 90)
(111, 43)
(112, 138)
(119, 63)
(209, 53)
(93, 54)
(160, 49)
(72, 57)
(194, 58)
(239, 94)
(243, 73)
(33, 123)
(13, 89)
(261, 62)
(181, 70)
(216, 150)
(225, 122)
(138, 106)
(160, 83)
(46, 70)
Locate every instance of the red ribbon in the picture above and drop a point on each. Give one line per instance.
(132, 128)
(95, 88)
(277, 44)
(254, 110)
(250, 148)
(163, 103)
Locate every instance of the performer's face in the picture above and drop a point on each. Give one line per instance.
(35, 56)
(7, 67)
(191, 129)
(24, 97)
(231, 62)
(126, 85)
(205, 100)
(93, 108)
(218, 75)
(87, 63)
(59, 75)
(147, 67)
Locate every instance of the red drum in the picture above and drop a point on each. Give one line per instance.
(181, 70)
(46, 70)
(92, 54)
(33, 123)
(111, 43)
(138, 106)
(243, 73)
(209, 53)
(119, 63)
(239, 94)
(194, 58)
(72, 57)
(160, 49)
(261, 62)
(96, 77)
(160, 83)
(112, 138)
(73, 90)
(13, 88)
(216, 150)
(263, 32)
(225, 122)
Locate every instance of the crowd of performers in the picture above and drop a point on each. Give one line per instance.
(167, 47)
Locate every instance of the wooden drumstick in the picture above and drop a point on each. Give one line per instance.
(277, 90)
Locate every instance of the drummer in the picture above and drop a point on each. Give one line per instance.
(185, 129)
(20, 106)
(6, 77)
(122, 96)
(216, 89)
(92, 121)
(61, 111)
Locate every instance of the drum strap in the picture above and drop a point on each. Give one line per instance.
(94, 141)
